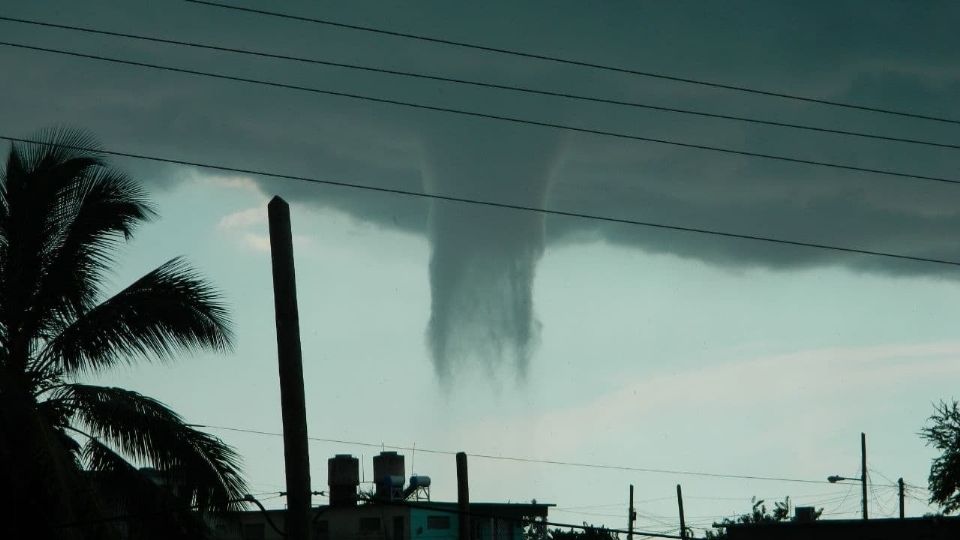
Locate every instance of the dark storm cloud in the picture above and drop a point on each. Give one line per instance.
(894, 54)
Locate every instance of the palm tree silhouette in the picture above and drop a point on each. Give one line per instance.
(70, 452)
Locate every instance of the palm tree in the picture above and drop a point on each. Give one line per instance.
(70, 453)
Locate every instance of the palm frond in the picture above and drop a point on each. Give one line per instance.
(99, 210)
(38, 470)
(62, 210)
(202, 466)
(148, 509)
(34, 180)
(57, 145)
(167, 311)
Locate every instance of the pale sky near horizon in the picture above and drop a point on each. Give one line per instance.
(693, 368)
(656, 349)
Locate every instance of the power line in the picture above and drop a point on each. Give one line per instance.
(843, 500)
(582, 513)
(877, 471)
(696, 497)
(822, 501)
(481, 84)
(527, 460)
(880, 506)
(474, 513)
(656, 519)
(892, 482)
(580, 63)
(844, 513)
(914, 486)
(272, 494)
(490, 116)
(921, 500)
(496, 204)
(611, 505)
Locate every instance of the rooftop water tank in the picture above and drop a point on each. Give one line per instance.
(389, 472)
(419, 481)
(805, 514)
(343, 477)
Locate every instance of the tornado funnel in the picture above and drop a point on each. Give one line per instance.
(483, 259)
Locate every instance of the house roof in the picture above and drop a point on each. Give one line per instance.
(878, 522)
(488, 509)
(477, 509)
(927, 528)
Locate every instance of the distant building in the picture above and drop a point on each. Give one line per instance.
(393, 512)
(433, 521)
(925, 528)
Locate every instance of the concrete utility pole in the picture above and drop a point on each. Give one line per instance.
(900, 489)
(631, 516)
(863, 470)
(463, 497)
(683, 524)
(296, 456)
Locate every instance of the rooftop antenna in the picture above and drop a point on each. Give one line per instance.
(363, 470)
(413, 458)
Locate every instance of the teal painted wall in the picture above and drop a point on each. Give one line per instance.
(419, 529)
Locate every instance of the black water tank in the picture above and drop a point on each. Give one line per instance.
(389, 473)
(805, 514)
(343, 477)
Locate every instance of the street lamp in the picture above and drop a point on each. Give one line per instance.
(834, 479)
(863, 477)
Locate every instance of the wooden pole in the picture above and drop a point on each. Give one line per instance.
(296, 456)
(683, 524)
(900, 489)
(863, 470)
(463, 497)
(631, 515)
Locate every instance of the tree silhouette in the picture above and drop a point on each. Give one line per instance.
(758, 514)
(944, 435)
(70, 452)
(537, 530)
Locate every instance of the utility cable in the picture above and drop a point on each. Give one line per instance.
(600, 506)
(472, 513)
(580, 63)
(880, 506)
(481, 84)
(923, 501)
(874, 470)
(529, 460)
(582, 513)
(660, 520)
(266, 515)
(843, 500)
(496, 204)
(490, 116)
(620, 504)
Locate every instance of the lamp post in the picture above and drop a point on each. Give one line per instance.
(834, 479)
(863, 474)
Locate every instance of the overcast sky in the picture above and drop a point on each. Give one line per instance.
(501, 332)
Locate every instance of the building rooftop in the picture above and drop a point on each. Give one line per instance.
(927, 528)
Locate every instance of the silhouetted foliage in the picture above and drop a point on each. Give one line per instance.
(588, 532)
(758, 514)
(69, 451)
(944, 435)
